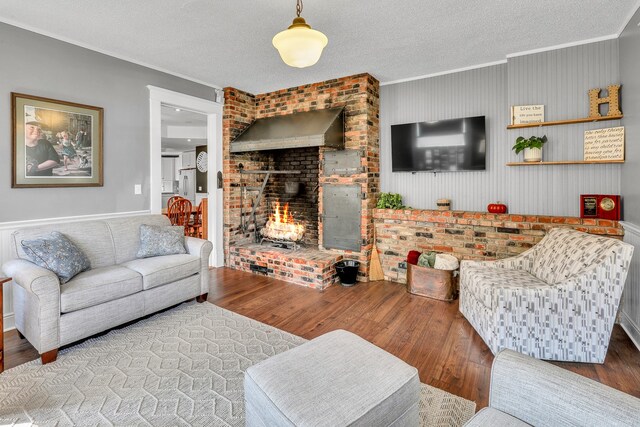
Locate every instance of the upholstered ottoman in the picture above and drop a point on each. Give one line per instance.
(337, 379)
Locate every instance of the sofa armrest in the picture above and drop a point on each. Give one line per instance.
(201, 248)
(32, 278)
(36, 303)
(540, 393)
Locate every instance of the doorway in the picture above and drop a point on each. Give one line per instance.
(181, 128)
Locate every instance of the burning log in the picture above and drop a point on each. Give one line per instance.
(282, 226)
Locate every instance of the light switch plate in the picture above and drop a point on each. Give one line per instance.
(137, 189)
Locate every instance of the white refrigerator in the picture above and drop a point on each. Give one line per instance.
(187, 184)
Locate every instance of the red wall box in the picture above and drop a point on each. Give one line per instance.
(601, 206)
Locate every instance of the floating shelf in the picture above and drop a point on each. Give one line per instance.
(565, 122)
(567, 162)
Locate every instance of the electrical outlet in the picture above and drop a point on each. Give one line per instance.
(137, 189)
(402, 265)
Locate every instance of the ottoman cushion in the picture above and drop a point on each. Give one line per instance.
(336, 379)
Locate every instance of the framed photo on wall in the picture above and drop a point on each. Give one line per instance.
(56, 143)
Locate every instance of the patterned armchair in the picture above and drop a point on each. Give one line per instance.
(556, 301)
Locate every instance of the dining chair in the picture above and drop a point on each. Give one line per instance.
(195, 227)
(179, 213)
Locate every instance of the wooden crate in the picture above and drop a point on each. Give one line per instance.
(429, 282)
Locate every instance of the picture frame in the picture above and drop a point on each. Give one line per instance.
(56, 143)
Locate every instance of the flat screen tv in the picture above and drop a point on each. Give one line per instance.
(441, 146)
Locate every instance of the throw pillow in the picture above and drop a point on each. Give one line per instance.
(427, 259)
(57, 253)
(156, 240)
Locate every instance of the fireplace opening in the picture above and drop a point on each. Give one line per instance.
(282, 229)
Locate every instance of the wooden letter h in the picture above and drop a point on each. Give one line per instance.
(613, 99)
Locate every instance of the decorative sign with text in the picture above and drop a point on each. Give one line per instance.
(604, 144)
(524, 114)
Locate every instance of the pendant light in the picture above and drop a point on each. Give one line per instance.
(300, 46)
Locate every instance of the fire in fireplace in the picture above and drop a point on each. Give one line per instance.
(282, 228)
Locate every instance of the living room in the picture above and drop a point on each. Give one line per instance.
(451, 184)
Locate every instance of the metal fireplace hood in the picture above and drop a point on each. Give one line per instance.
(319, 128)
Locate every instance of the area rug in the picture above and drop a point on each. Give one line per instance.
(181, 367)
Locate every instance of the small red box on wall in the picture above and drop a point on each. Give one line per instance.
(601, 206)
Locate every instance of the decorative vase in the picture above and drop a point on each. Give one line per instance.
(497, 208)
(533, 154)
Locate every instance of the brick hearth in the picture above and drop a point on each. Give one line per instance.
(307, 267)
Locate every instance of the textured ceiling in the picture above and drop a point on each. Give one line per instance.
(228, 43)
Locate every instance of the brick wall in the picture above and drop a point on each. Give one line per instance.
(468, 235)
(359, 95)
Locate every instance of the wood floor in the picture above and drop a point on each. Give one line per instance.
(431, 335)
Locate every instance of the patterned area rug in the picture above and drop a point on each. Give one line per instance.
(182, 367)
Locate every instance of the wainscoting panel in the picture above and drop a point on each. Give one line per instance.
(630, 306)
(6, 228)
(559, 80)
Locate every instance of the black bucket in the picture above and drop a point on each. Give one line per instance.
(348, 272)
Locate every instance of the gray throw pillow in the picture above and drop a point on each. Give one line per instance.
(57, 253)
(156, 240)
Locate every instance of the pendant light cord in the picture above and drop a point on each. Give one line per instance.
(299, 7)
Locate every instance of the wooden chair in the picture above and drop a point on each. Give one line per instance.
(179, 213)
(171, 200)
(195, 228)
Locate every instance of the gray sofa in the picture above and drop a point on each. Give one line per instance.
(525, 391)
(119, 287)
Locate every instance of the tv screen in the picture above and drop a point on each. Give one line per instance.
(441, 146)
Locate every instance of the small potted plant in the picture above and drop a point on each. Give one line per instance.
(532, 147)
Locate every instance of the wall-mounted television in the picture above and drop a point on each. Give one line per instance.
(440, 146)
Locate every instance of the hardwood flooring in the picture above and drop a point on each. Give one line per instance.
(431, 335)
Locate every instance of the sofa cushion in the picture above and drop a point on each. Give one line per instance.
(565, 252)
(57, 253)
(493, 417)
(481, 282)
(161, 240)
(126, 234)
(97, 286)
(158, 271)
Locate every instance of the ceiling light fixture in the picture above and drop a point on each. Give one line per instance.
(178, 110)
(300, 46)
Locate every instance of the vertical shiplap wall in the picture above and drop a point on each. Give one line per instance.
(630, 305)
(558, 79)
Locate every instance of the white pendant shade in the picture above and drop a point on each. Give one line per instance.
(300, 46)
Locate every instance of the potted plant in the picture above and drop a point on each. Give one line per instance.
(532, 147)
(390, 201)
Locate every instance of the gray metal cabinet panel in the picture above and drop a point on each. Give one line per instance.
(341, 217)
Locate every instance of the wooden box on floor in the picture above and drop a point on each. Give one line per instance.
(429, 282)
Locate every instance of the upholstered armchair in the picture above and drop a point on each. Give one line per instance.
(556, 301)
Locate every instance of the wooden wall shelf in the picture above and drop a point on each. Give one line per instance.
(567, 162)
(565, 122)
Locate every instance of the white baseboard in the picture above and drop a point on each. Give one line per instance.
(630, 328)
(9, 322)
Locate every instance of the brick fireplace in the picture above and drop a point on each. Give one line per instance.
(304, 191)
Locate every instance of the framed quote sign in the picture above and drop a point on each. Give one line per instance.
(604, 144)
(55, 143)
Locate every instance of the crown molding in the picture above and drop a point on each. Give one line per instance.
(442, 73)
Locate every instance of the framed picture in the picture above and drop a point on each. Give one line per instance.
(56, 143)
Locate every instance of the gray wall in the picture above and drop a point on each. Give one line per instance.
(630, 76)
(42, 66)
(558, 79)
